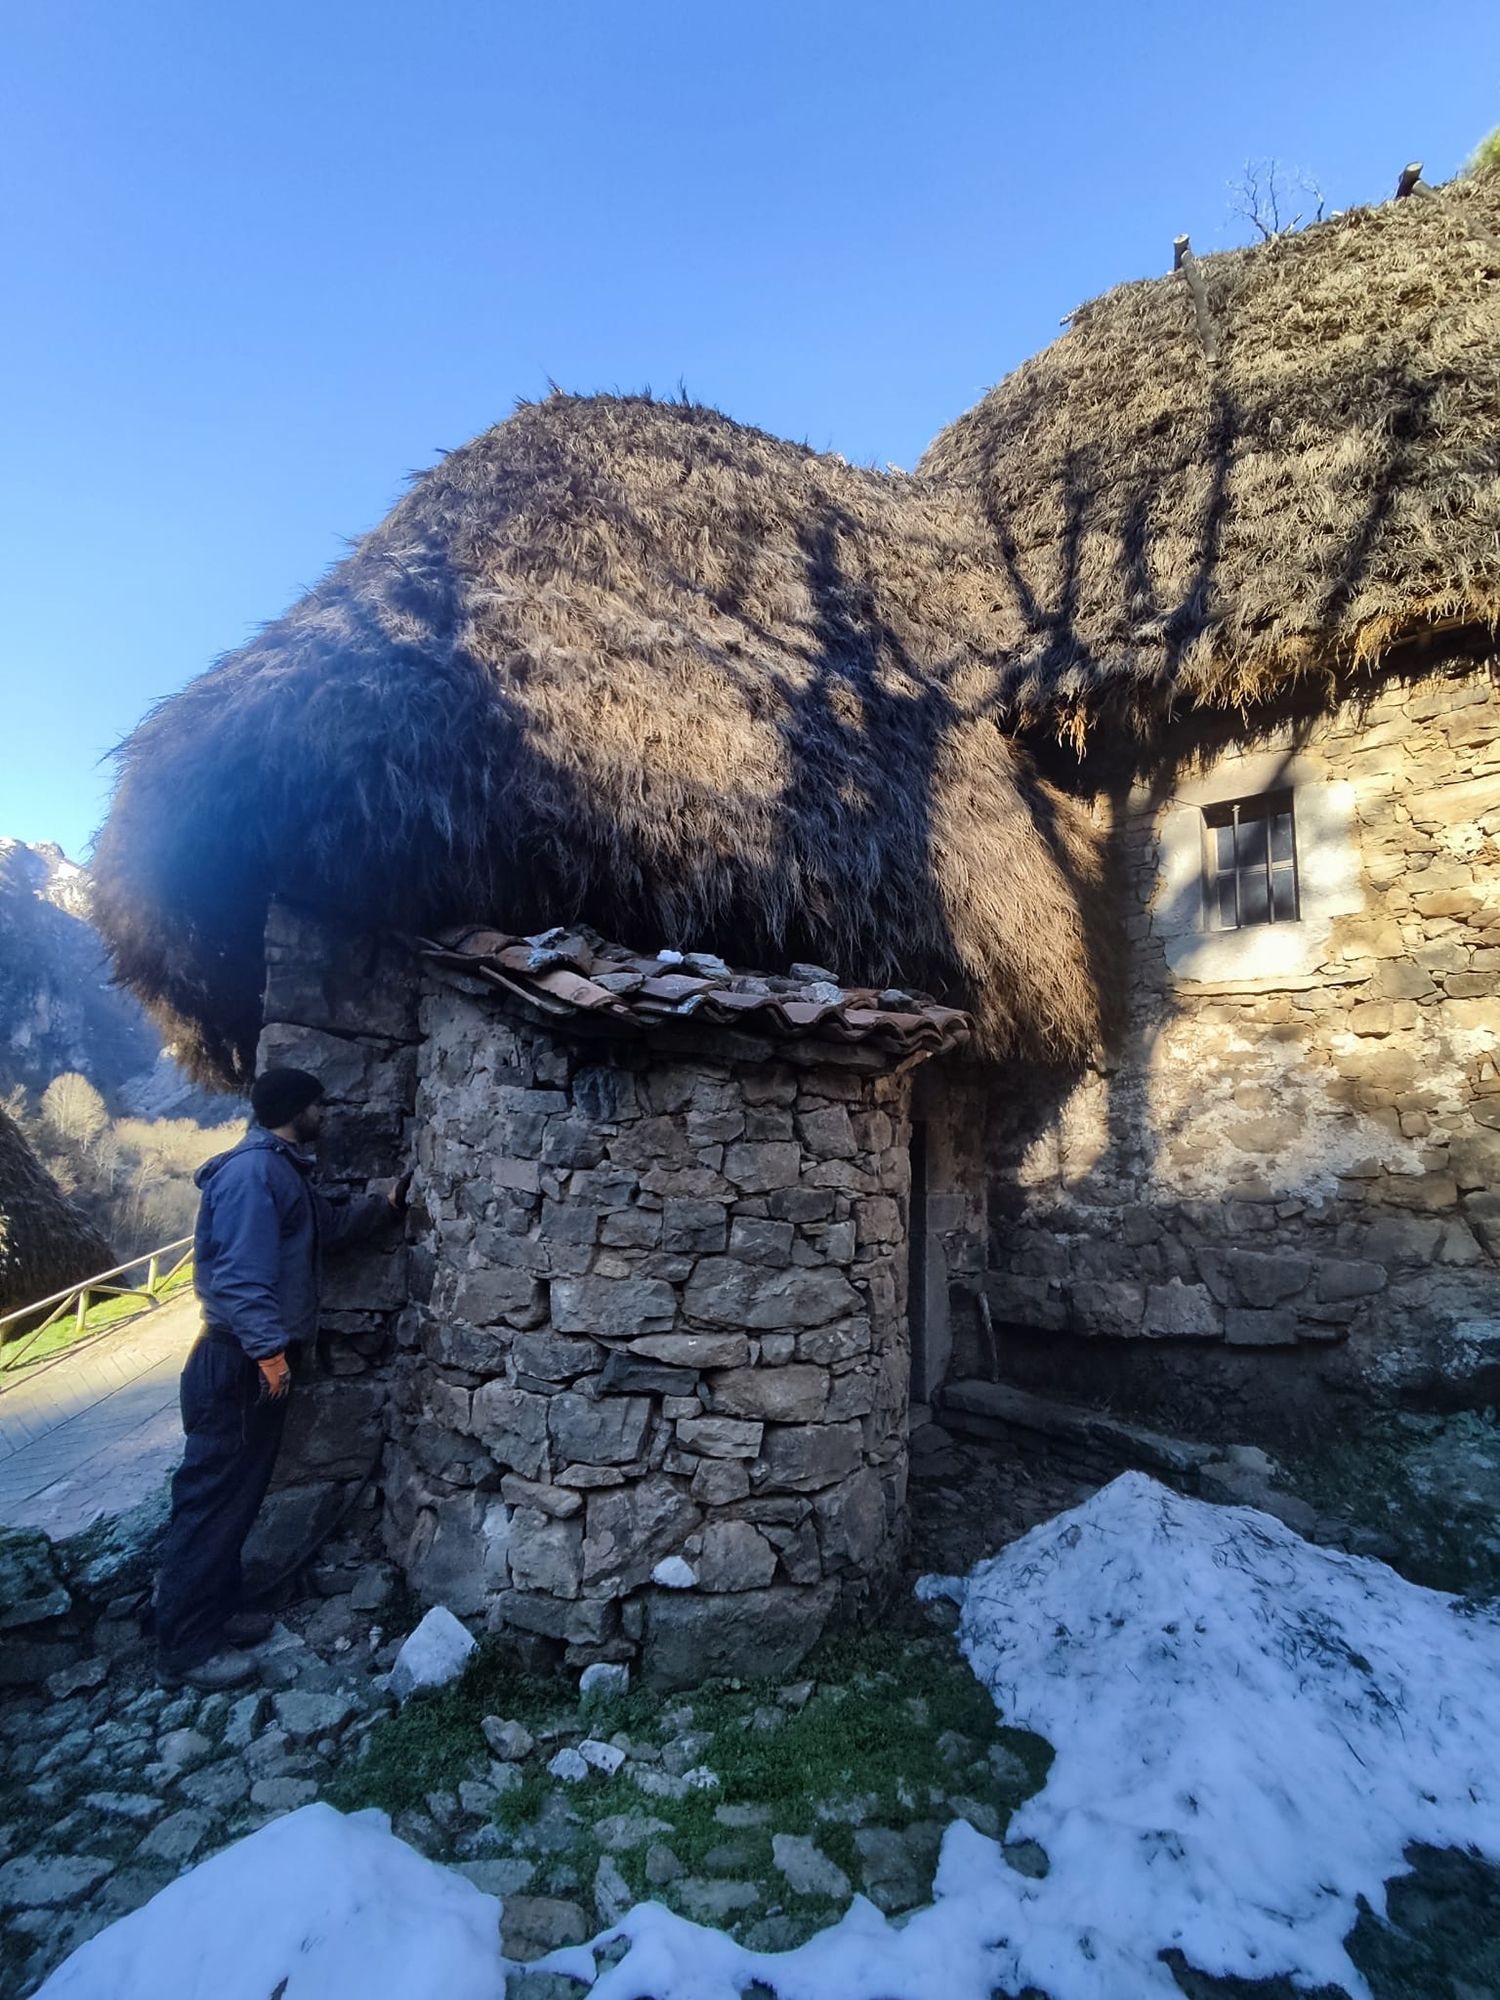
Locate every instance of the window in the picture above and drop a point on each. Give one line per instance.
(1250, 862)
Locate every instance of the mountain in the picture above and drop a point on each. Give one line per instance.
(60, 1011)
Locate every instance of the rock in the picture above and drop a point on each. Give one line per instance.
(630, 1528)
(612, 1897)
(569, 1765)
(807, 1869)
(46, 1881)
(685, 1751)
(803, 1457)
(545, 1553)
(559, 1501)
(182, 1749)
(137, 1808)
(603, 1680)
(178, 1837)
(512, 1742)
(30, 1588)
(611, 1431)
(437, 1652)
(618, 1832)
(116, 1556)
(505, 1777)
(711, 1902)
(291, 1521)
(476, 1798)
(981, 1815)
(613, 1307)
(217, 1786)
(662, 1865)
(720, 1437)
(893, 1875)
(725, 1292)
(735, 1557)
(304, 1716)
(719, 1482)
(1027, 1857)
(245, 1718)
(531, 1926)
(626, 1374)
(1008, 1771)
(851, 1521)
(282, 1795)
(504, 1876)
(731, 1857)
(77, 1680)
(605, 1757)
(696, 1350)
(373, 1587)
(794, 1394)
(690, 1637)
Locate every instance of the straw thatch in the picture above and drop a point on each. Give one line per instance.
(45, 1243)
(1179, 529)
(631, 664)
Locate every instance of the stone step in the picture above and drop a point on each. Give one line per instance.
(996, 1411)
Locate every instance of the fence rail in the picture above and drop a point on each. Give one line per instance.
(170, 1261)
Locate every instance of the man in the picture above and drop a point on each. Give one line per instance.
(263, 1229)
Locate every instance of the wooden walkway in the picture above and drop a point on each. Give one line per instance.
(94, 1431)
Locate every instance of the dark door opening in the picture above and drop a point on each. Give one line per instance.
(916, 1263)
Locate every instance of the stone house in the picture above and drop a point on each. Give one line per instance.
(1152, 727)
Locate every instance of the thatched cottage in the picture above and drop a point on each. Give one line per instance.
(821, 931)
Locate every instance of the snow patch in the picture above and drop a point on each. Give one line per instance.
(312, 1907)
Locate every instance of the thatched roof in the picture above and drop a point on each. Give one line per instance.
(635, 665)
(45, 1243)
(1184, 530)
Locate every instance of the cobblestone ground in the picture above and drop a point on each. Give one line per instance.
(112, 1786)
(841, 1781)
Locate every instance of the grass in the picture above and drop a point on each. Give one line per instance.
(24, 1349)
(873, 1743)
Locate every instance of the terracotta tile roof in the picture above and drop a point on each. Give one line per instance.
(572, 972)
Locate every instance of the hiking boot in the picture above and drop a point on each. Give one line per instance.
(228, 1668)
(249, 1628)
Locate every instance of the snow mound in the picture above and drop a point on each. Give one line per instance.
(312, 1907)
(1249, 1732)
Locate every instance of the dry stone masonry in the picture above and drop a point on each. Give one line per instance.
(652, 1400)
(1289, 1181)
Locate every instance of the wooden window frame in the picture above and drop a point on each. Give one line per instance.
(1262, 808)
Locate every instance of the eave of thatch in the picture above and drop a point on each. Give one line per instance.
(634, 665)
(45, 1243)
(1182, 530)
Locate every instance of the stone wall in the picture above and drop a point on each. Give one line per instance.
(1283, 1201)
(659, 1318)
(345, 1007)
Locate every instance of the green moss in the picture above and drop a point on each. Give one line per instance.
(873, 1743)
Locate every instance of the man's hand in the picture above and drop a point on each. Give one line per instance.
(396, 1196)
(277, 1376)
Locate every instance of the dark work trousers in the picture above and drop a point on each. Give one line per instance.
(233, 1430)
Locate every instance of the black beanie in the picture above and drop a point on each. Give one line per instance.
(278, 1095)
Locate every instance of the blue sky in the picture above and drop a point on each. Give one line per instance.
(261, 261)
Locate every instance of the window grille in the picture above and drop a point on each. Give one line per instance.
(1250, 862)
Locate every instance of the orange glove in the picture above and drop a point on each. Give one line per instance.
(277, 1374)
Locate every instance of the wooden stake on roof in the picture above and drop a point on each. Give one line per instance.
(1183, 260)
(1410, 175)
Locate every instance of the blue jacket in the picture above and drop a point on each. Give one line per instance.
(262, 1231)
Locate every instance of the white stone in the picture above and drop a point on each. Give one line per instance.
(807, 1869)
(672, 1573)
(604, 1678)
(570, 1766)
(605, 1757)
(435, 1653)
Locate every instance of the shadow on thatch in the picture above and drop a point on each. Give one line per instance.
(634, 665)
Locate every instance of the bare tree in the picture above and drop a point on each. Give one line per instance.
(74, 1109)
(1273, 199)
